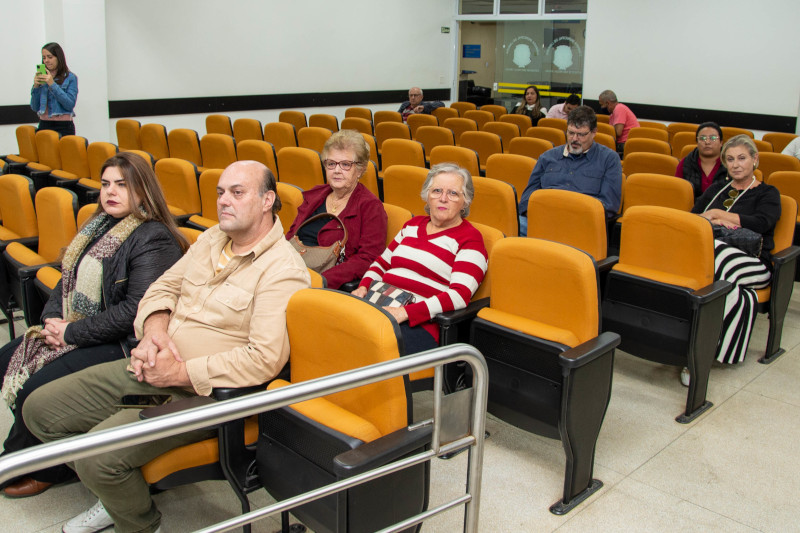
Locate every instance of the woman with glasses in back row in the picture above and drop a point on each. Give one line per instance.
(702, 166)
(345, 157)
(740, 202)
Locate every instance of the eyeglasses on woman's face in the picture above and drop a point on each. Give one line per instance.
(451, 194)
(330, 164)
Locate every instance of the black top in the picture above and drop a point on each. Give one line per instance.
(759, 208)
(308, 233)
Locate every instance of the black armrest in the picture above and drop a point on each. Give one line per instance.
(711, 292)
(29, 272)
(30, 242)
(350, 286)
(381, 451)
(589, 351)
(786, 255)
(606, 264)
(459, 315)
(227, 394)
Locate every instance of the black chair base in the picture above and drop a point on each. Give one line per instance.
(685, 419)
(560, 508)
(771, 358)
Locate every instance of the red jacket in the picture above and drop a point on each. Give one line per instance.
(365, 220)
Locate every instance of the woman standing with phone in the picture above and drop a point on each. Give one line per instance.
(54, 92)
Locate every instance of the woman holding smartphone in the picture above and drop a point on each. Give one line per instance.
(55, 92)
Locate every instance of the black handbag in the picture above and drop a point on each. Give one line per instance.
(745, 239)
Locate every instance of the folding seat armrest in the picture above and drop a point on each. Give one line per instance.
(589, 351)
(176, 407)
(604, 265)
(30, 242)
(786, 255)
(711, 292)
(381, 451)
(459, 315)
(30, 271)
(227, 394)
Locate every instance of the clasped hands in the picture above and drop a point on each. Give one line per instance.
(156, 361)
(53, 332)
(720, 217)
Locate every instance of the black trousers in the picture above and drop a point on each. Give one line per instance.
(62, 127)
(19, 437)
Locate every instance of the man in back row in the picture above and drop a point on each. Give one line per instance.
(563, 110)
(414, 104)
(581, 165)
(621, 117)
(217, 318)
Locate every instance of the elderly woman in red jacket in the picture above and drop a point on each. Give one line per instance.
(345, 156)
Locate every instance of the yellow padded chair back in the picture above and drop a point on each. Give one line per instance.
(208, 192)
(491, 236)
(295, 118)
(185, 144)
(779, 141)
(784, 229)
(97, 153)
(16, 204)
(480, 117)
(495, 204)
(680, 140)
(369, 178)
(350, 333)
(48, 150)
(128, 134)
(301, 167)
(463, 107)
(643, 132)
(402, 185)
(544, 289)
(178, 179)
(55, 213)
(606, 140)
(529, 147)
(402, 152)
(358, 124)
(459, 126)
(218, 150)
(219, 124)
(484, 143)
(554, 135)
(386, 116)
(26, 141)
(768, 162)
(677, 127)
(191, 234)
(153, 140)
(433, 136)
(280, 135)
(649, 162)
(646, 145)
(247, 128)
(358, 112)
(261, 151)
(321, 120)
(313, 138)
(291, 199)
(74, 156)
(390, 130)
(523, 122)
(416, 120)
(787, 182)
(443, 113)
(667, 245)
(496, 110)
(557, 123)
(505, 130)
(144, 155)
(511, 168)
(317, 281)
(731, 131)
(372, 144)
(657, 189)
(608, 129)
(84, 214)
(397, 217)
(463, 157)
(568, 217)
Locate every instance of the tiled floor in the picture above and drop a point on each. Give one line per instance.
(734, 469)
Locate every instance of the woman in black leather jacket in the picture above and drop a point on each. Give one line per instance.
(125, 246)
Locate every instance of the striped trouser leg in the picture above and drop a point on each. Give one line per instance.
(746, 273)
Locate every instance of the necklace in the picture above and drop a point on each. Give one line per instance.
(334, 206)
(735, 198)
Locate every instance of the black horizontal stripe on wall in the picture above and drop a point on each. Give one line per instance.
(228, 104)
(750, 121)
(17, 114)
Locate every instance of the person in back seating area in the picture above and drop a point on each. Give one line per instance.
(741, 202)
(702, 166)
(345, 157)
(581, 165)
(414, 104)
(622, 118)
(564, 109)
(129, 241)
(793, 148)
(439, 258)
(530, 105)
(217, 318)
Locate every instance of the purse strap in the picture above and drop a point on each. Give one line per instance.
(343, 240)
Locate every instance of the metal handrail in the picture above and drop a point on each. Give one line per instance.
(95, 443)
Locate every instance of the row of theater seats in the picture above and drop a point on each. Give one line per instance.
(577, 354)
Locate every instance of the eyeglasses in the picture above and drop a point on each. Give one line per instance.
(578, 134)
(732, 195)
(707, 138)
(451, 195)
(330, 164)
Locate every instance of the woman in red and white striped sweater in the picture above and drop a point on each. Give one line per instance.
(439, 258)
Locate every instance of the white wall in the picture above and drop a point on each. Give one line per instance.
(731, 55)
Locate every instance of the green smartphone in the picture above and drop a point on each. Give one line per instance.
(40, 69)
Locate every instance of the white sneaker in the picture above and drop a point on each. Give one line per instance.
(90, 521)
(685, 377)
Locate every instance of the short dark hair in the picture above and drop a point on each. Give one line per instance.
(709, 125)
(583, 116)
(268, 183)
(573, 99)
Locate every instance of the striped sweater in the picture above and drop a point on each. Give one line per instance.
(442, 270)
